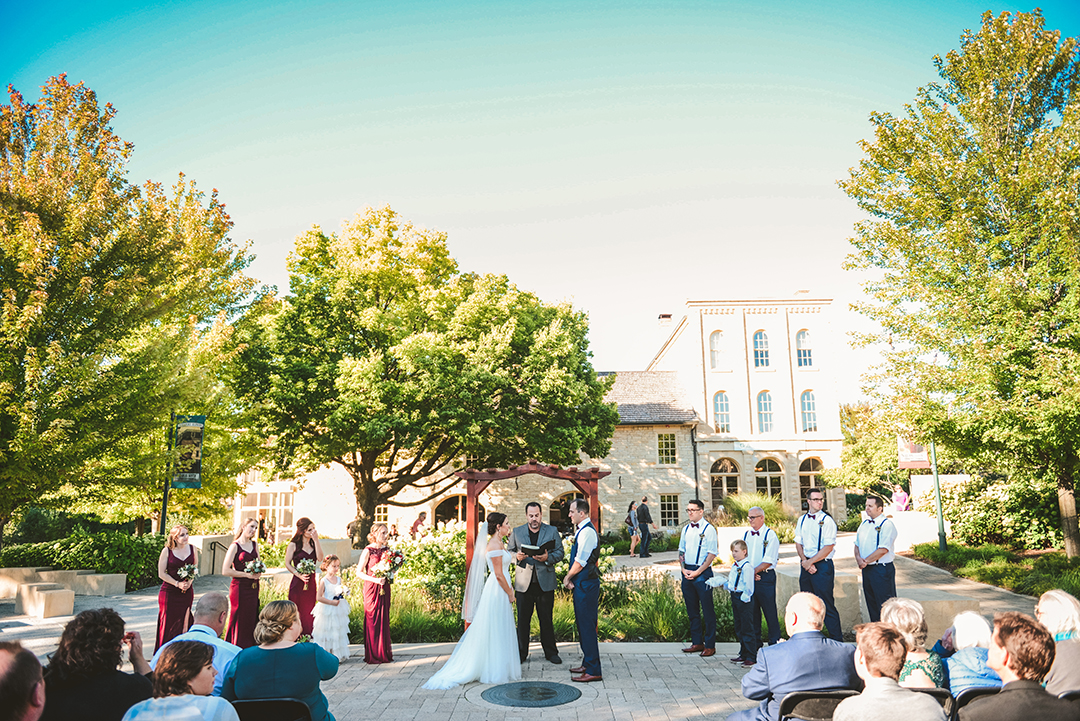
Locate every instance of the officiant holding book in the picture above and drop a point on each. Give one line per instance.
(537, 548)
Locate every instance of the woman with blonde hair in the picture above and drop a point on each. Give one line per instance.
(244, 587)
(377, 645)
(279, 667)
(922, 668)
(1060, 613)
(175, 595)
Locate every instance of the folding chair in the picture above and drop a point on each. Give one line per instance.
(813, 705)
(968, 695)
(272, 709)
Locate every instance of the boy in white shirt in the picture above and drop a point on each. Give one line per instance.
(741, 585)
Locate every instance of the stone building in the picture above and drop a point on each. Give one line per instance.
(738, 398)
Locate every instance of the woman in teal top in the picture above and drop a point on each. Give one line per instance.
(279, 667)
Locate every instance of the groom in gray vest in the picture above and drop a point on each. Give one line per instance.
(534, 581)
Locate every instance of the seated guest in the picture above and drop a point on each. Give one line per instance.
(183, 680)
(878, 659)
(1021, 651)
(83, 681)
(806, 662)
(22, 688)
(964, 647)
(1059, 612)
(211, 614)
(922, 668)
(279, 667)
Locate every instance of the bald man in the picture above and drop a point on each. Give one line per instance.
(808, 661)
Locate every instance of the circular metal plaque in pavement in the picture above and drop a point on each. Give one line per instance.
(531, 694)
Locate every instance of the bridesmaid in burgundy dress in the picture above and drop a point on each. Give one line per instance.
(175, 596)
(244, 589)
(302, 588)
(377, 648)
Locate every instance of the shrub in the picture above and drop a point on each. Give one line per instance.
(1050, 571)
(273, 554)
(38, 525)
(737, 508)
(1017, 513)
(108, 552)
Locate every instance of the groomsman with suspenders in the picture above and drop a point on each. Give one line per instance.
(764, 553)
(698, 547)
(874, 554)
(583, 579)
(815, 541)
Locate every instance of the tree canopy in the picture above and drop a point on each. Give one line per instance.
(972, 248)
(101, 282)
(388, 361)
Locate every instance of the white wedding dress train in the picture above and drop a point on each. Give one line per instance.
(488, 650)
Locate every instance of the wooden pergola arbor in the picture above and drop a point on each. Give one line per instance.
(586, 481)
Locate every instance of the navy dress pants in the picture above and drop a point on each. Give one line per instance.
(765, 603)
(821, 585)
(586, 613)
(879, 585)
(700, 609)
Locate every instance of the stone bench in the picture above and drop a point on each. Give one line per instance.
(847, 594)
(44, 600)
(12, 578)
(91, 583)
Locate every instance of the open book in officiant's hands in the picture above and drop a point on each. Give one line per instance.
(537, 550)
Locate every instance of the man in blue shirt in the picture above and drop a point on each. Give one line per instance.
(211, 612)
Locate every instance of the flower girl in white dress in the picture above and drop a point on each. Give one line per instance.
(331, 627)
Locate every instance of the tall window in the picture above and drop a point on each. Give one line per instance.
(809, 478)
(769, 478)
(382, 513)
(725, 481)
(276, 510)
(559, 512)
(764, 412)
(665, 449)
(721, 412)
(455, 508)
(809, 412)
(669, 509)
(761, 350)
(715, 340)
(802, 349)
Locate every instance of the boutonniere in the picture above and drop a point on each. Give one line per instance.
(822, 521)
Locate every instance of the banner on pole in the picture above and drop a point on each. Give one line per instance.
(189, 437)
(911, 455)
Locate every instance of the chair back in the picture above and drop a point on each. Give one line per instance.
(968, 695)
(941, 694)
(1071, 695)
(813, 705)
(272, 709)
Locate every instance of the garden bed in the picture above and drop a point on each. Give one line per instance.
(1028, 572)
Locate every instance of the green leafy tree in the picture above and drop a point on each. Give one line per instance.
(388, 362)
(972, 250)
(93, 272)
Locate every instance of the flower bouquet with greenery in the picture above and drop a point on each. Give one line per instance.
(388, 566)
(187, 572)
(255, 567)
(306, 567)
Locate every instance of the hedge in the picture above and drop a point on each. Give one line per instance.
(106, 552)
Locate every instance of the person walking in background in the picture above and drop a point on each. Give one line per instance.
(874, 555)
(244, 587)
(583, 579)
(815, 542)
(878, 660)
(176, 594)
(1021, 651)
(418, 530)
(698, 546)
(1059, 612)
(377, 645)
(645, 520)
(632, 522)
(534, 581)
(304, 546)
(763, 548)
(210, 614)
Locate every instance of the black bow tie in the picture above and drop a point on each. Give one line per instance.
(693, 525)
(813, 517)
(753, 533)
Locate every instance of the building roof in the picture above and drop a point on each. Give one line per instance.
(651, 397)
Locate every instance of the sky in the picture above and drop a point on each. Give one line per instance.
(624, 156)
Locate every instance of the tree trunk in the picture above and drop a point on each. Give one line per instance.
(1069, 529)
(367, 498)
(3, 523)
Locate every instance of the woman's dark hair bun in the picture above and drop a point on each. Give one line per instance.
(494, 520)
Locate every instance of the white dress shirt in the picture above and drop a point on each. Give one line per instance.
(586, 542)
(763, 547)
(877, 534)
(697, 542)
(813, 527)
(741, 580)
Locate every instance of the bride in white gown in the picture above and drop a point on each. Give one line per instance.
(488, 650)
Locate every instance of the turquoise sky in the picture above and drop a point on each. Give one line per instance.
(623, 155)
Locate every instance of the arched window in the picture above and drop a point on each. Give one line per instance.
(769, 478)
(808, 478)
(453, 509)
(764, 412)
(802, 349)
(721, 412)
(761, 350)
(715, 340)
(559, 512)
(725, 481)
(809, 412)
